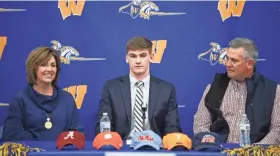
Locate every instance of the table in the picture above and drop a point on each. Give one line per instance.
(50, 149)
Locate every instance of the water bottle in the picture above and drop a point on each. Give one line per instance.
(105, 123)
(244, 127)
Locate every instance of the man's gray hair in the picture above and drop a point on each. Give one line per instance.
(249, 46)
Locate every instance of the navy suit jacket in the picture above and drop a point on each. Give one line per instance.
(162, 107)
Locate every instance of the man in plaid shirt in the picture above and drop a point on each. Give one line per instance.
(241, 90)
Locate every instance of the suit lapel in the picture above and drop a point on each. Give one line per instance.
(126, 96)
(153, 95)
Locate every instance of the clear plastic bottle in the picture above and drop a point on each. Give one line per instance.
(244, 127)
(105, 123)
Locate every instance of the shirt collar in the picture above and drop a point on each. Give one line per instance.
(146, 80)
(238, 85)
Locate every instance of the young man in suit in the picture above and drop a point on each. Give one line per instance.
(124, 98)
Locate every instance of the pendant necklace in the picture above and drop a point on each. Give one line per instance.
(48, 123)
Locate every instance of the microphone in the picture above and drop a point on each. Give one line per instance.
(144, 109)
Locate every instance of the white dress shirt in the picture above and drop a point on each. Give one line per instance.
(145, 90)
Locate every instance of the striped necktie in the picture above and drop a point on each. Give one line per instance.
(138, 114)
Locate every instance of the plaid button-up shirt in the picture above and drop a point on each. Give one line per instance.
(233, 106)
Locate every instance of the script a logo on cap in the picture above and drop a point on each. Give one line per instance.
(69, 135)
(145, 138)
(208, 138)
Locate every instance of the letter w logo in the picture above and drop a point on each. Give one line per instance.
(158, 50)
(78, 92)
(3, 42)
(230, 8)
(75, 7)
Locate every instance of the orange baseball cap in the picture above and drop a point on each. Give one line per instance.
(108, 138)
(172, 140)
